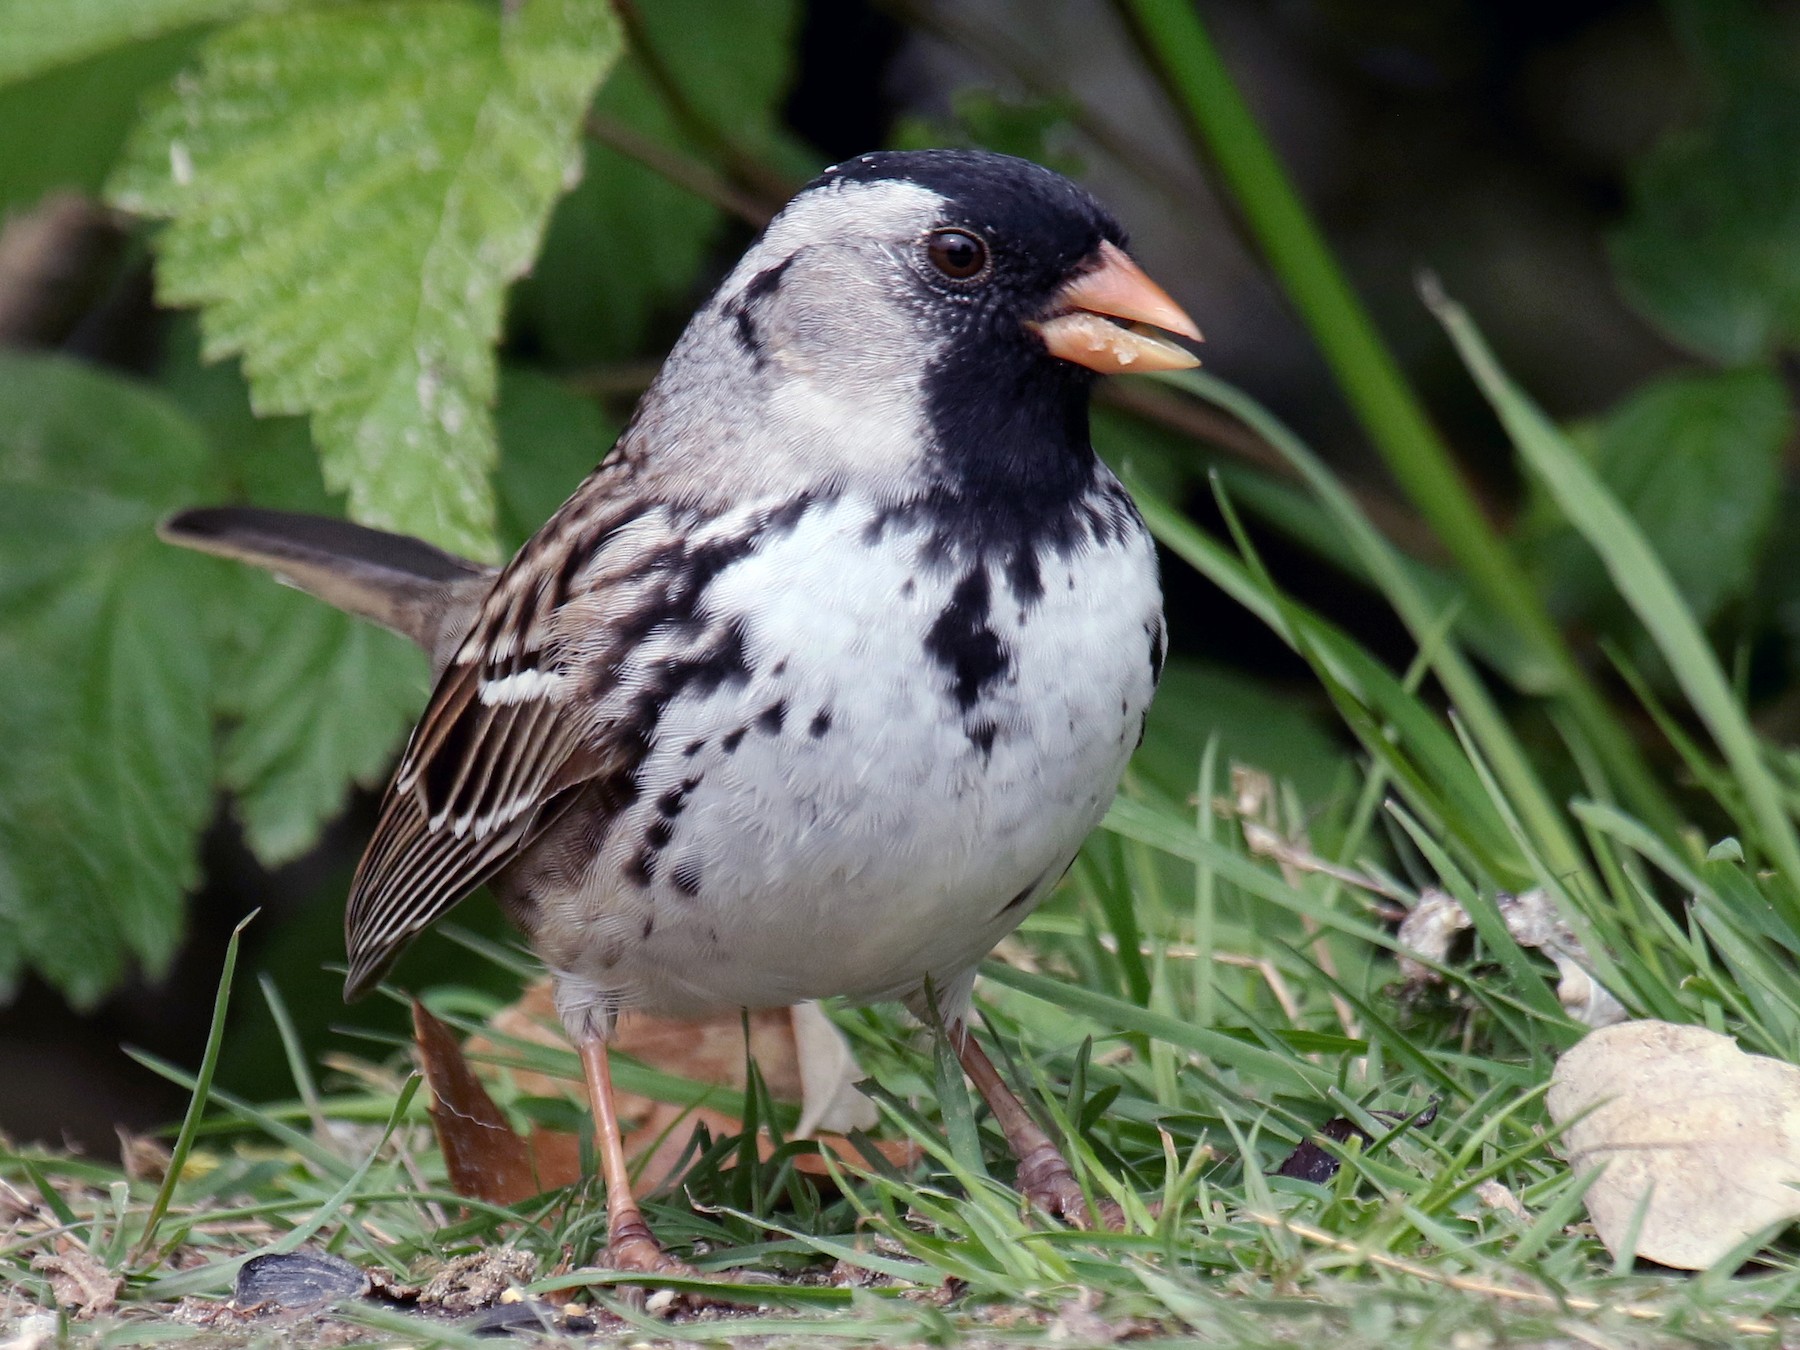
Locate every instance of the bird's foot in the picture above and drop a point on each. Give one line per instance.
(632, 1246)
(1048, 1182)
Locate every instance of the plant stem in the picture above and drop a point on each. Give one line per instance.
(1226, 133)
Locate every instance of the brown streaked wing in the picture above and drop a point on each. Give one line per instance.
(470, 792)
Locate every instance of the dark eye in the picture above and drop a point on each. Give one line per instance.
(958, 254)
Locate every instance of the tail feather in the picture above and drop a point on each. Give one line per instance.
(401, 583)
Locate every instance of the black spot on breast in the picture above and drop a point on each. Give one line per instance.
(686, 877)
(1159, 649)
(674, 801)
(771, 718)
(657, 836)
(641, 870)
(820, 724)
(730, 741)
(745, 328)
(981, 736)
(649, 925)
(693, 748)
(780, 669)
(1023, 575)
(766, 282)
(705, 671)
(961, 642)
(784, 517)
(907, 588)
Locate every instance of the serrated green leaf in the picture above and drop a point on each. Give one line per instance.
(316, 701)
(319, 701)
(38, 36)
(552, 439)
(1711, 249)
(107, 720)
(626, 244)
(45, 148)
(350, 192)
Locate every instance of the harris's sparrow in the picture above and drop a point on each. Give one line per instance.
(816, 684)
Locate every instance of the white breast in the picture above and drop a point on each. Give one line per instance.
(845, 826)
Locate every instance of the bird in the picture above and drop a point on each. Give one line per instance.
(816, 684)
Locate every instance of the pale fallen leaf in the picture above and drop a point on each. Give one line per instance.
(1705, 1138)
(1494, 1196)
(829, 1073)
(1433, 924)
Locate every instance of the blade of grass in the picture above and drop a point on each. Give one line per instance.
(1644, 583)
(1258, 1064)
(208, 1276)
(209, 1062)
(1465, 687)
(295, 1052)
(1174, 38)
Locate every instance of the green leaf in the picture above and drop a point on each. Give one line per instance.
(1711, 250)
(1696, 460)
(625, 246)
(316, 700)
(552, 440)
(320, 701)
(1254, 723)
(1647, 587)
(38, 36)
(103, 655)
(45, 147)
(351, 191)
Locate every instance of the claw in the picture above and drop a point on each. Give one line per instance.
(1048, 1183)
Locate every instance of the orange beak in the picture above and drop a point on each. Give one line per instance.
(1082, 330)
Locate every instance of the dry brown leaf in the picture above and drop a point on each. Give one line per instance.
(801, 1056)
(79, 1282)
(484, 1155)
(1703, 1136)
(802, 1059)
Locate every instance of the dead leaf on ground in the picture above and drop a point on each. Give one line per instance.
(79, 1282)
(801, 1056)
(484, 1155)
(478, 1280)
(1703, 1136)
(144, 1158)
(1434, 924)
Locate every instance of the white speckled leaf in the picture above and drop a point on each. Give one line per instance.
(351, 191)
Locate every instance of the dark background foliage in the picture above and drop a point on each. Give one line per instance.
(1591, 178)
